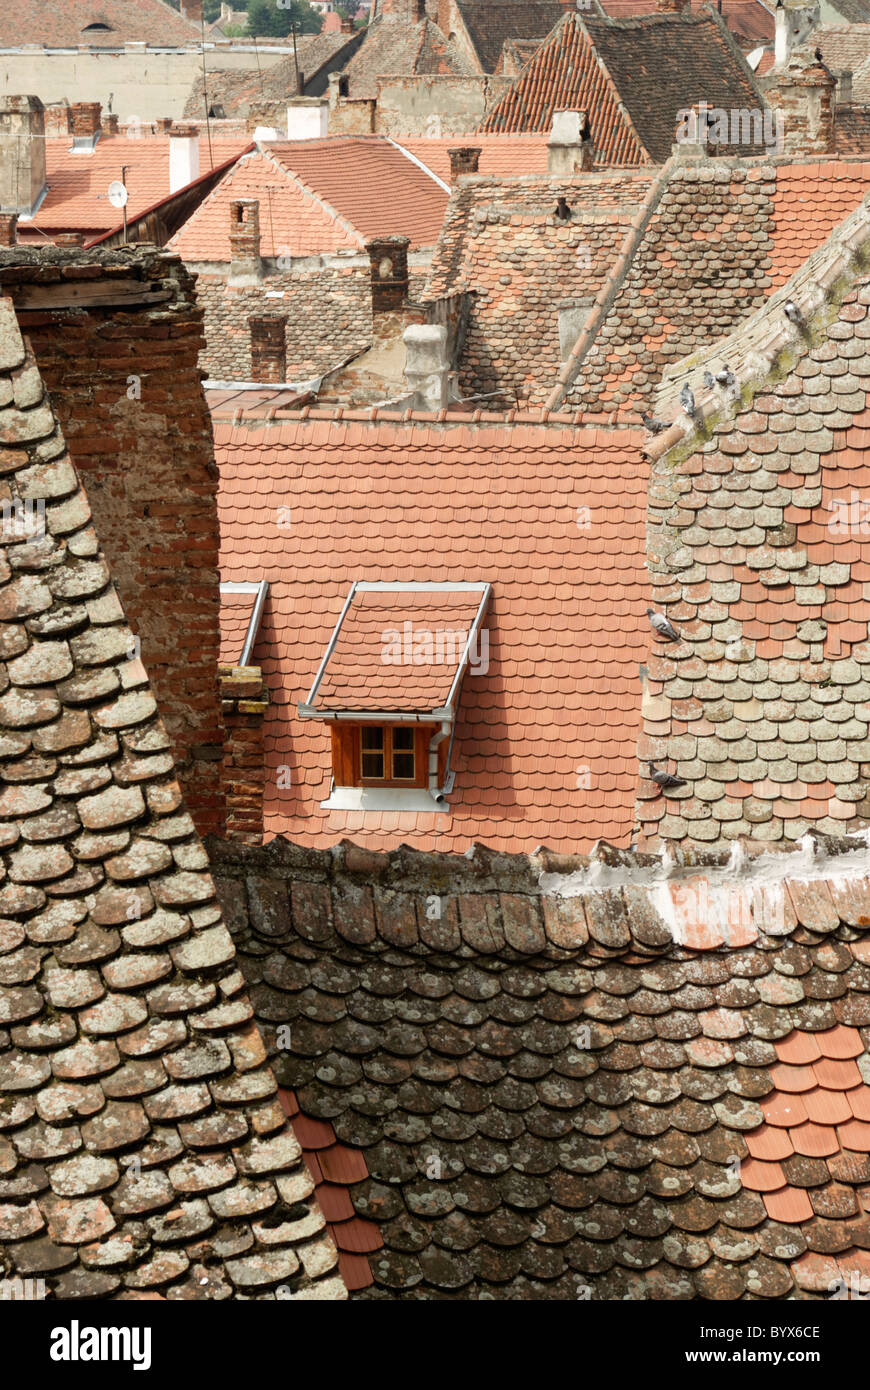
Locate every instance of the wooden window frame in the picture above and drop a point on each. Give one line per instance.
(347, 755)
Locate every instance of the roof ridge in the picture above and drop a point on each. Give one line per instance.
(812, 288)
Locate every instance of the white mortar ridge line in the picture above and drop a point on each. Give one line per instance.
(808, 863)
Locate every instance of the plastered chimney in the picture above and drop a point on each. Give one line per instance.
(183, 156)
(22, 154)
(569, 148)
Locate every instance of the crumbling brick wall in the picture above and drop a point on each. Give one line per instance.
(117, 337)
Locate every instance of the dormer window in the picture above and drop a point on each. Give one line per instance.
(389, 686)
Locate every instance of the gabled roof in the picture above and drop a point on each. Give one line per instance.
(632, 77)
(844, 46)
(320, 196)
(78, 183)
(566, 74)
(388, 651)
(66, 25)
(552, 517)
(140, 1115)
(393, 46)
(490, 22)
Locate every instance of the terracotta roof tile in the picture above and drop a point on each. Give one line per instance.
(67, 26)
(531, 767)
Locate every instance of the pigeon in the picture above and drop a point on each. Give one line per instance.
(793, 313)
(660, 625)
(819, 58)
(687, 400)
(708, 381)
(665, 779)
(654, 426)
(726, 377)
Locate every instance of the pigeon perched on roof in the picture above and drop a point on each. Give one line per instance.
(725, 377)
(660, 624)
(654, 426)
(665, 779)
(687, 400)
(708, 381)
(792, 312)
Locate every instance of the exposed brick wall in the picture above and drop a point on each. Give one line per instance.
(245, 701)
(329, 317)
(147, 462)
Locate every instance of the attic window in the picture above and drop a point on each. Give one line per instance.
(389, 686)
(98, 27)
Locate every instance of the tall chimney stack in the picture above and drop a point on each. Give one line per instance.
(22, 154)
(268, 347)
(8, 228)
(388, 260)
(183, 156)
(463, 160)
(246, 266)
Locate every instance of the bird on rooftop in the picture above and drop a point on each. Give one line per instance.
(708, 381)
(687, 400)
(654, 426)
(819, 55)
(660, 624)
(793, 313)
(725, 377)
(665, 779)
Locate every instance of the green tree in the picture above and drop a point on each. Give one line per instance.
(268, 19)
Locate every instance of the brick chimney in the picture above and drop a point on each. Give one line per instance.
(58, 119)
(802, 96)
(192, 10)
(22, 154)
(388, 259)
(69, 239)
(569, 148)
(183, 156)
(346, 24)
(8, 228)
(111, 124)
(85, 117)
(246, 266)
(463, 160)
(268, 347)
(163, 125)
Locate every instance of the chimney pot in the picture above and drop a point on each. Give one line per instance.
(246, 266)
(268, 347)
(464, 160)
(388, 261)
(8, 228)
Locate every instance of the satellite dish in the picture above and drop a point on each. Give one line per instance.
(117, 194)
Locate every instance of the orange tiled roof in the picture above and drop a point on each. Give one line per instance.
(78, 183)
(67, 25)
(236, 612)
(320, 196)
(500, 154)
(811, 200)
(553, 517)
(375, 663)
(747, 19)
(565, 73)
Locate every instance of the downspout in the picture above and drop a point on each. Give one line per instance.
(437, 738)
